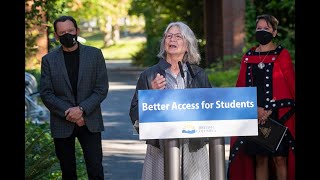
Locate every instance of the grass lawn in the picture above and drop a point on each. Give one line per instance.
(124, 49)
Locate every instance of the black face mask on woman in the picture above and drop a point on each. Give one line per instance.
(263, 37)
(68, 40)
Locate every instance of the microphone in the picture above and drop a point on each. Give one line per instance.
(163, 73)
(181, 70)
(189, 68)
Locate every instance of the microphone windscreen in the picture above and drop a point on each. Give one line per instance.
(181, 69)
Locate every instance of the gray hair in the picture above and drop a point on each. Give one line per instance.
(192, 55)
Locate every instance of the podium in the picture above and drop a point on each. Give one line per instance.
(212, 113)
(216, 159)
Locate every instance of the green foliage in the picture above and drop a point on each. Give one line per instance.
(40, 159)
(158, 14)
(94, 39)
(224, 73)
(138, 57)
(226, 78)
(98, 9)
(250, 26)
(148, 55)
(37, 13)
(284, 11)
(36, 73)
(125, 48)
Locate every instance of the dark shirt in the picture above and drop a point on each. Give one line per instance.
(258, 81)
(71, 60)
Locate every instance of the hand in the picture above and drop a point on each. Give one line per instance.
(263, 115)
(136, 125)
(159, 82)
(80, 122)
(73, 114)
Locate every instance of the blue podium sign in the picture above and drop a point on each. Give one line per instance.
(197, 112)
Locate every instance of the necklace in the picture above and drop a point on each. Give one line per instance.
(261, 65)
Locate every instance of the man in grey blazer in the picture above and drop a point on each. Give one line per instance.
(73, 83)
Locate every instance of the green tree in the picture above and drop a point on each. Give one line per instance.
(158, 14)
(38, 14)
(284, 11)
(107, 14)
(41, 162)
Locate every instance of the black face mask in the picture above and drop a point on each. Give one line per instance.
(68, 40)
(263, 37)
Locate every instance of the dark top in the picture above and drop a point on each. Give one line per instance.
(259, 81)
(71, 60)
(253, 148)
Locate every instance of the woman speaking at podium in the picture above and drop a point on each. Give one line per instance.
(177, 69)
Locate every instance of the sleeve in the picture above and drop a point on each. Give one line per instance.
(287, 69)
(241, 81)
(134, 109)
(206, 80)
(101, 88)
(49, 99)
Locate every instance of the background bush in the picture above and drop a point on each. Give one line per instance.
(40, 159)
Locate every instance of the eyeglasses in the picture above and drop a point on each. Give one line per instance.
(178, 36)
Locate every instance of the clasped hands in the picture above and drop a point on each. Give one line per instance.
(263, 115)
(74, 114)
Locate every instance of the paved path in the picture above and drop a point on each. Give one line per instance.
(123, 152)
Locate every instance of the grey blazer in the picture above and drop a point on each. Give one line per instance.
(56, 91)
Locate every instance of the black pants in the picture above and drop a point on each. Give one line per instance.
(92, 151)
